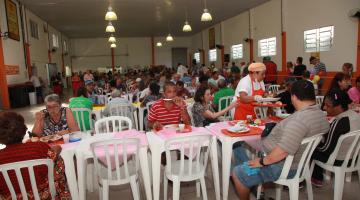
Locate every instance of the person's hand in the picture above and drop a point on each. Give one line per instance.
(63, 132)
(257, 98)
(235, 104)
(255, 163)
(157, 126)
(39, 116)
(56, 149)
(179, 102)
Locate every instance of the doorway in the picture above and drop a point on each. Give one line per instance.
(178, 55)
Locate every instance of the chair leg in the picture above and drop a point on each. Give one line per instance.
(203, 188)
(198, 193)
(339, 183)
(176, 189)
(348, 177)
(358, 175)
(165, 187)
(258, 191)
(294, 191)
(309, 187)
(105, 190)
(134, 188)
(278, 192)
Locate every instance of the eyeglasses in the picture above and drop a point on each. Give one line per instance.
(52, 108)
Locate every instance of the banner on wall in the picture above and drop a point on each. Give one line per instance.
(212, 38)
(12, 69)
(12, 20)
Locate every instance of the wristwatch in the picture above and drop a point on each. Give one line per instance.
(261, 161)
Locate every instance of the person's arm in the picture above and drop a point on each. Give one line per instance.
(244, 98)
(73, 126)
(276, 155)
(152, 120)
(184, 114)
(213, 115)
(38, 128)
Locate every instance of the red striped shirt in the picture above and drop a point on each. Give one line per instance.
(160, 113)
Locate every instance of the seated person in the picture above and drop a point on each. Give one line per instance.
(224, 91)
(12, 131)
(354, 92)
(284, 139)
(81, 101)
(154, 94)
(168, 110)
(181, 91)
(55, 119)
(90, 92)
(306, 76)
(285, 97)
(115, 99)
(336, 105)
(186, 78)
(215, 77)
(203, 113)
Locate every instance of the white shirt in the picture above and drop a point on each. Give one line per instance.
(35, 81)
(145, 92)
(182, 70)
(245, 85)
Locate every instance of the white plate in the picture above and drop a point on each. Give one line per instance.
(283, 115)
(236, 129)
(269, 99)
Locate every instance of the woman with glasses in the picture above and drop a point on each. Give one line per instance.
(55, 119)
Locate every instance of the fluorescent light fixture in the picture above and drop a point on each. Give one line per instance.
(187, 27)
(110, 28)
(110, 15)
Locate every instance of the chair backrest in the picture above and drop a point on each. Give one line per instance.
(112, 124)
(189, 110)
(226, 101)
(260, 112)
(319, 100)
(308, 146)
(114, 153)
(29, 164)
(274, 88)
(81, 116)
(100, 91)
(121, 109)
(148, 105)
(195, 147)
(349, 143)
(187, 84)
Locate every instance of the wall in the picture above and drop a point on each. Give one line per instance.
(163, 54)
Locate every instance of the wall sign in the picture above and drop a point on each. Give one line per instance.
(12, 69)
(12, 20)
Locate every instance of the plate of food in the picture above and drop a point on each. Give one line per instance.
(51, 138)
(238, 129)
(269, 99)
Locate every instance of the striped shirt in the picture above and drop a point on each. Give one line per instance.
(319, 67)
(160, 113)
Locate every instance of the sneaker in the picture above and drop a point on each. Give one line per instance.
(316, 183)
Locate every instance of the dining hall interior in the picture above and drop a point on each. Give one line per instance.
(179, 99)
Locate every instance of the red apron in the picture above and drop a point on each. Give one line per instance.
(245, 109)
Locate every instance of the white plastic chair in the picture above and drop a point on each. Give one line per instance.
(319, 100)
(117, 163)
(196, 148)
(29, 164)
(227, 101)
(274, 88)
(349, 143)
(302, 173)
(189, 110)
(260, 112)
(112, 124)
(80, 117)
(123, 109)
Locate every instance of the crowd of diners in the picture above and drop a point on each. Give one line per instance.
(168, 88)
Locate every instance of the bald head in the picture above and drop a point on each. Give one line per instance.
(221, 83)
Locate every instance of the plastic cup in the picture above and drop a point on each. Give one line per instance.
(181, 127)
(66, 138)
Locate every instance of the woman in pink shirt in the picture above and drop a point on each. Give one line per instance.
(354, 92)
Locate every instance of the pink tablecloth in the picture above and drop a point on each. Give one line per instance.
(168, 133)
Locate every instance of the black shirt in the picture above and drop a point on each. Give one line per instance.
(285, 98)
(299, 70)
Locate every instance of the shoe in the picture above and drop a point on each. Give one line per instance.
(317, 183)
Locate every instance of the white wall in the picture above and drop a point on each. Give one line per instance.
(163, 55)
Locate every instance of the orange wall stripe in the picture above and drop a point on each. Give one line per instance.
(113, 60)
(222, 50)
(283, 52)
(28, 62)
(3, 83)
(358, 51)
(152, 51)
(251, 43)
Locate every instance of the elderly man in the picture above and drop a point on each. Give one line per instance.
(168, 110)
(175, 78)
(224, 91)
(115, 99)
(284, 139)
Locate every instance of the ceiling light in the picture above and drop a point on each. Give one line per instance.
(112, 39)
(113, 45)
(110, 28)
(169, 38)
(187, 27)
(159, 44)
(110, 15)
(206, 16)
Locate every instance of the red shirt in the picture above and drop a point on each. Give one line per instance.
(160, 113)
(271, 72)
(22, 152)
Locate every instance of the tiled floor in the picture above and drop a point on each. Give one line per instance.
(351, 190)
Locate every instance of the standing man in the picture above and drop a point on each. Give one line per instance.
(271, 70)
(181, 69)
(299, 68)
(319, 69)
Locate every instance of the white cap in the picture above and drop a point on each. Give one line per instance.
(138, 80)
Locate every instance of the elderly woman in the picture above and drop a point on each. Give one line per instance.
(202, 111)
(12, 131)
(55, 119)
(251, 88)
(115, 99)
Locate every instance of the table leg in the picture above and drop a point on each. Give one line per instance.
(226, 165)
(156, 162)
(141, 118)
(215, 167)
(145, 171)
(81, 163)
(68, 157)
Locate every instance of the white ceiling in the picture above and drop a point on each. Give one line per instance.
(136, 18)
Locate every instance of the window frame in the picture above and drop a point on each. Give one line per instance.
(211, 51)
(315, 38)
(268, 43)
(240, 55)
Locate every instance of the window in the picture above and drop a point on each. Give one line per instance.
(197, 57)
(34, 31)
(320, 39)
(212, 55)
(55, 40)
(237, 51)
(267, 47)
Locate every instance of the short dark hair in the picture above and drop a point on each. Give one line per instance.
(199, 94)
(311, 58)
(82, 92)
(12, 128)
(203, 79)
(154, 88)
(180, 83)
(340, 76)
(357, 79)
(299, 59)
(306, 74)
(221, 83)
(168, 84)
(303, 90)
(338, 97)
